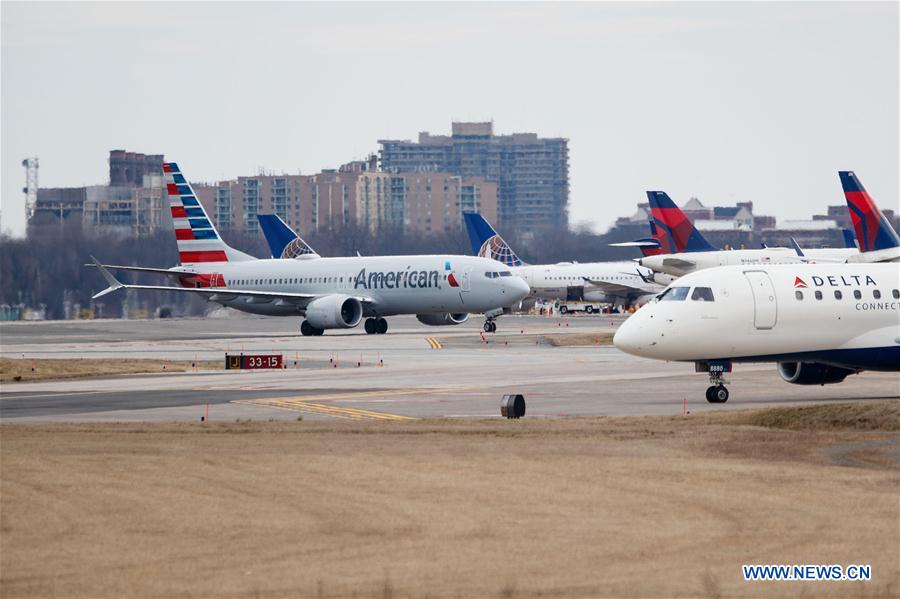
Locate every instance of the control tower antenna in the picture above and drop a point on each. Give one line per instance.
(31, 185)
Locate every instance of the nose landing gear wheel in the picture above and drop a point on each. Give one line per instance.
(717, 394)
(490, 326)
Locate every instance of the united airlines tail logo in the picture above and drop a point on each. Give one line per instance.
(497, 249)
(799, 283)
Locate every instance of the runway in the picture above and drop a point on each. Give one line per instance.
(414, 371)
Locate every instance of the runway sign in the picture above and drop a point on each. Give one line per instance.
(245, 362)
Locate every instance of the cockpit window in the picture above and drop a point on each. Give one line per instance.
(702, 294)
(674, 294)
(491, 275)
(505, 273)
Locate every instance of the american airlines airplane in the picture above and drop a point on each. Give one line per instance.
(617, 283)
(683, 249)
(331, 293)
(819, 322)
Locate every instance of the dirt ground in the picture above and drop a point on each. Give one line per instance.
(18, 369)
(628, 507)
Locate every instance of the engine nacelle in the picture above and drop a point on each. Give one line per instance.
(440, 320)
(334, 311)
(812, 373)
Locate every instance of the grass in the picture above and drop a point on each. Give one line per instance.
(606, 507)
(19, 369)
(868, 416)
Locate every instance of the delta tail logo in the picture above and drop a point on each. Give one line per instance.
(799, 283)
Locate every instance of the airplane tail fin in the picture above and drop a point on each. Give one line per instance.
(283, 241)
(196, 236)
(873, 231)
(675, 232)
(849, 239)
(486, 242)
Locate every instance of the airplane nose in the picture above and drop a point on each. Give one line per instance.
(634, 337)
(519, 288)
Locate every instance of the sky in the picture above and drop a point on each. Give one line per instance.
(725, 101)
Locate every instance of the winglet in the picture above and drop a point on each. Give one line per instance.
(796, 247)
(114, 284)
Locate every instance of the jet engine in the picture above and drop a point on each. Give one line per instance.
(334, 311)
(812, 373)
(440, 320)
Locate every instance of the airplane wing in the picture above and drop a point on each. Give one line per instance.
(617, 288)
(215, 294)
(680, 264)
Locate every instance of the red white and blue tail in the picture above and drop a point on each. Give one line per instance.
(196, 236)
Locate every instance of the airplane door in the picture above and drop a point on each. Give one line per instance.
(765, 308)
(465, 284)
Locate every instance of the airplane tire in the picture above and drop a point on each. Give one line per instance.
(487, 326)
(709, 394)
(306, 329)
(382, 326)
(721, 394)
(371, 326)
(318, 332)
(493, 327)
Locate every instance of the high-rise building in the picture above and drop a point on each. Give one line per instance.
(129, 168)
(413, 202)
(531, 172)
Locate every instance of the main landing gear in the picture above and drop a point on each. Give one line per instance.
(376, 326)
(308, 330)
(490, 326)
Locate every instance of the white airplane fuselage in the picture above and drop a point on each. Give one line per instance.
(846, 315)
(390, 284)
(682, 263)
(555, 281)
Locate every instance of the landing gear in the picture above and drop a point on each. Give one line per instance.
(717, 394)
(308, 330)
(717, 369)
(490, 326)
(376, 326)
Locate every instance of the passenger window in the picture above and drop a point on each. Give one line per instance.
(674, 294)
(702, 294)
(798, 294)
(838, 294)
(818, 295)
(857, 294)
(876, 294)
(896, 293)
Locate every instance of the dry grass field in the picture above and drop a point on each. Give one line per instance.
(19, 369)
(629, 507)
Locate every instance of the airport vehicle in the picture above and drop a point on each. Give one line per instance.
(683, 249)
(617, 283)
(329, 292)
(567, 307)
(818, 322)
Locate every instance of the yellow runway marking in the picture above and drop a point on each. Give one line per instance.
(298, 405)
(434, 343)
(309, 403)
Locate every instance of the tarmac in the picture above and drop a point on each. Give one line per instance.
(414, 371)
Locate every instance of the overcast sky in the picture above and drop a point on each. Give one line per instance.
(726, 101)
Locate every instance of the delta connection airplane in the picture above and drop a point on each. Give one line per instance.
(818, 322)
(677, 247)
(329, 292)
(617, 283)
